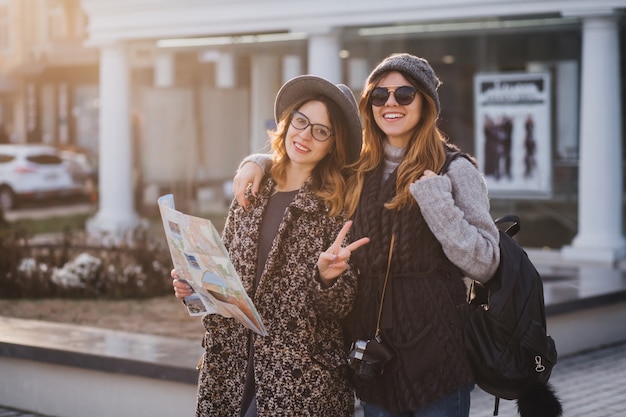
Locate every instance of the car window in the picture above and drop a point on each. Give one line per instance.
(45, 159)
(6, 158)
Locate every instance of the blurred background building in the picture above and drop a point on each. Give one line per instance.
(169, 95)
(49, 79)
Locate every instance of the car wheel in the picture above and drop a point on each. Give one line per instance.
(7, 198)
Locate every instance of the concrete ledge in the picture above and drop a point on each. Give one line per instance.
(585, 301)
(589, 328)
(100, 363)
(72, 371)
(101, 349)
(585, 304)
(67, 391)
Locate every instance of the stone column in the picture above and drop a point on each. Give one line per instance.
(225, 71)
(600, 199)
(292, 67)
(62, 117)
(358, 70)
(567, 95)
(324, 60)
(116, 216)
(164, 69)
(265, 82)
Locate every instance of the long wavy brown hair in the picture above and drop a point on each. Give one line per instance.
(425, 149)
(329, 175)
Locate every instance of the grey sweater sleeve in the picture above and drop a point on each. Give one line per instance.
(264, 160)
(456, 208)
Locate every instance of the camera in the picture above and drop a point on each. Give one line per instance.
(367, 359)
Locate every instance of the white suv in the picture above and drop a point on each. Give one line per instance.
(29, 171)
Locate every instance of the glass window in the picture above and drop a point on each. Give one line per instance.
(45, 159)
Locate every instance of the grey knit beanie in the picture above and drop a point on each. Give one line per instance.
(416, 68)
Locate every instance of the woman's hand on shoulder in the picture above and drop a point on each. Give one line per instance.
(248, 173)
(430, 184)
(428, 174)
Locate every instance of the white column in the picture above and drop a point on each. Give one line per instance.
(116, 215)
(225, 70)
(164, 70)
(567, 93)
(62, 118)
(324, 60)
(292, 67)
(600, 200)
(265, 80)
(358, 70)
(225, 67)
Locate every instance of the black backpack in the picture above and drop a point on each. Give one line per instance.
(510, 351)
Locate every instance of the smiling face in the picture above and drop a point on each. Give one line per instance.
(395, 120)
(303, 150)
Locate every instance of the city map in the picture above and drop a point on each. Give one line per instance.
(200, 258)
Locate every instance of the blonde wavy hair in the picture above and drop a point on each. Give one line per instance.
(425, 150)
(329, 175)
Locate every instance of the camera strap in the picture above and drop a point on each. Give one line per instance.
(382, 297)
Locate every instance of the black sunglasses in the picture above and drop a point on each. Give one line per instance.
(404, 95)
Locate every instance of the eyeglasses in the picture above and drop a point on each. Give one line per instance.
(404, 95)
(319, 132)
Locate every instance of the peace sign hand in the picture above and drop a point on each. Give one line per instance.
(334, 261)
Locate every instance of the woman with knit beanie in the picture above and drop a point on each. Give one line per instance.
(429, 230)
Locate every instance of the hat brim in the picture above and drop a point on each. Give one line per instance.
(306, 85)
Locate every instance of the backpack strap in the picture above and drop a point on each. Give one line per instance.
(452, 152)
(450, 156)
(515, 223)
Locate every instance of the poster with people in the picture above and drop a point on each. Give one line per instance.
(513, 133)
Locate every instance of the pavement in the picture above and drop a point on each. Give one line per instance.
(49, 210)
(10, 412)
(589, 384)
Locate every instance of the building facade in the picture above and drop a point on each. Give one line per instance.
(48, 78)
(534, 89)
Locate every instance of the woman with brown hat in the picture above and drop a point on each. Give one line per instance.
(440, 229)
(290, 249)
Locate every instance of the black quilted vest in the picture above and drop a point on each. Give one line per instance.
(424, 308)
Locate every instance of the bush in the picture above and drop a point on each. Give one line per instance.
(69, 267)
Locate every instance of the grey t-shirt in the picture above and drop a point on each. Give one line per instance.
(274, 213)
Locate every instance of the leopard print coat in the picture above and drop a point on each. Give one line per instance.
(300, 367)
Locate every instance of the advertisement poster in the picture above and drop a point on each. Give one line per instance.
(513, 133)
